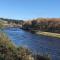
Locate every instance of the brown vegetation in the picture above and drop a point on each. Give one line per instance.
(44, 24)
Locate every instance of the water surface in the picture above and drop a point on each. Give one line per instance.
(37, 43)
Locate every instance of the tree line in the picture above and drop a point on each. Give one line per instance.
(44, 24)
(16, 21)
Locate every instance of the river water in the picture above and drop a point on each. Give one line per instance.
(37, 43)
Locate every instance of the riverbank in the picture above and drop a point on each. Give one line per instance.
(50, 34)
(56, 35)
(8, 51)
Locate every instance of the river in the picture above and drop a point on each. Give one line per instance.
(37, 43)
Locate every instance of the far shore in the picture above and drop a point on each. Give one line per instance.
(50, 34)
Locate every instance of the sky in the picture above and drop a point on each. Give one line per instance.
(29, 9)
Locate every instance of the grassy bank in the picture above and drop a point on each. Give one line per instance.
(9, 51)
(56, 35)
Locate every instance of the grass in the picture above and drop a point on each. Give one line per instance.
(9, 51)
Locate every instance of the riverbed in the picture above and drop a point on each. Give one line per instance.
(37, 43)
